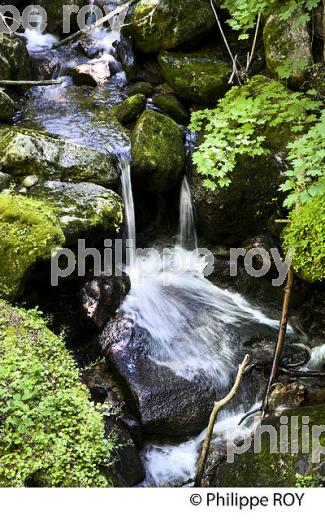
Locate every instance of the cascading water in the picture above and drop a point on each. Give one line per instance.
(187, 231)
(129, 215)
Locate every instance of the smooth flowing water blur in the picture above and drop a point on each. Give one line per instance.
(187, 231)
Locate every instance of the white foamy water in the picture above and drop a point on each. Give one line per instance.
(317, 358)
(38, 42)
(129, 215)
(187, 231)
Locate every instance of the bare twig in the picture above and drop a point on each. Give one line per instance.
(281, 337)
(251, 54)
(216, 409)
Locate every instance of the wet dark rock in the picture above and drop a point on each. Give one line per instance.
(15, 62)
(140, 87)
(286, 395)
(5, 181)
(7, 107)
(125, 55)
(150, 71)
(102, 296)
(45, 67)
(120, 425)
(55, 14)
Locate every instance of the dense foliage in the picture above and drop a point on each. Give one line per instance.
(304, 237)
(237, 126)
(51, 435)
(244, 12)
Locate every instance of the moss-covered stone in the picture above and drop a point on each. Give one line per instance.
(7, 107)
(24, 151)
(14, 59)
(171, 25)
(51, 434)
(29, 230)
(287, 467)
(287, 48)
(158, 152)
(81, 208)
(171, 106)
(199, 77)
(130, 109)
(141, 87)
(55, 14)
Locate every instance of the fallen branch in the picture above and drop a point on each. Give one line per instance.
(216, 409)
(281, 337)
(93, 26)
(251, 54)
(36, 83)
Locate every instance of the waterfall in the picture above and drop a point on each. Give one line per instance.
(129, 214)
(187, 228)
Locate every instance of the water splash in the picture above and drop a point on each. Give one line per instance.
(187, 232)
(39, 42)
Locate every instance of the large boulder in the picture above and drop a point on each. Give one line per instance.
(130, 109)
(56, 14)
(232, 214)
(29, 231)
(168, 25)
(171, 106)
(287, 48)
(196, 77)
(14, 59)
(277, 465)
(81, 208)
(93, 73)
(26, 152)
(158, 153)
(7, 107)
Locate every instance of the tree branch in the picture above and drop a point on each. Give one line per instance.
(216, 409)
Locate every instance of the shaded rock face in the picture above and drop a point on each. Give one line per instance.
(81, 208)
(166, 402)
(200, 77)
(26, 152)
(267, 469)
(172, 24)
(93, 73)
(102, 296)
(7, 107)
(120, 424)
(287, 44)
(14, 59)
(158, 153)
(171, 106)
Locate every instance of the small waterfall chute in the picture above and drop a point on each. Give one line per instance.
(187, 227)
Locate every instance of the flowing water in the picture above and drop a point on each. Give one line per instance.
(197, 328)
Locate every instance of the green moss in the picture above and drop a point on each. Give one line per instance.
(171, 25)
(171, 106)
(141, 87)
(29, 230)
(157, 151)
(51, 435)
(7, 107)
(196, 77)
(130, 109)
(305, 238)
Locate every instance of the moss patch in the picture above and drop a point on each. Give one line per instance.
(130, 109)
(51, 435)
(29, 230)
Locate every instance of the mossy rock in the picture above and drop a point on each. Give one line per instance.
(305, 237)
(287, 46)
(26, 152)
(51, 434)
(7, 107)
(284, 468)
(15, 62)
(129, 110)
(55, 14)
(197, 77)
(29, 231)
(170, 105)
(172, 24)
(81, 208)
(141, 87)
(158, 152)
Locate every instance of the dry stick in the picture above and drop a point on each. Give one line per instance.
(216, 409)
(281, 337)
(251, 55)
(233, 59)
(38, 83)
(98, 23)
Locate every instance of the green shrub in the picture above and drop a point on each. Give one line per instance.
(51, 435)
(305, 238)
